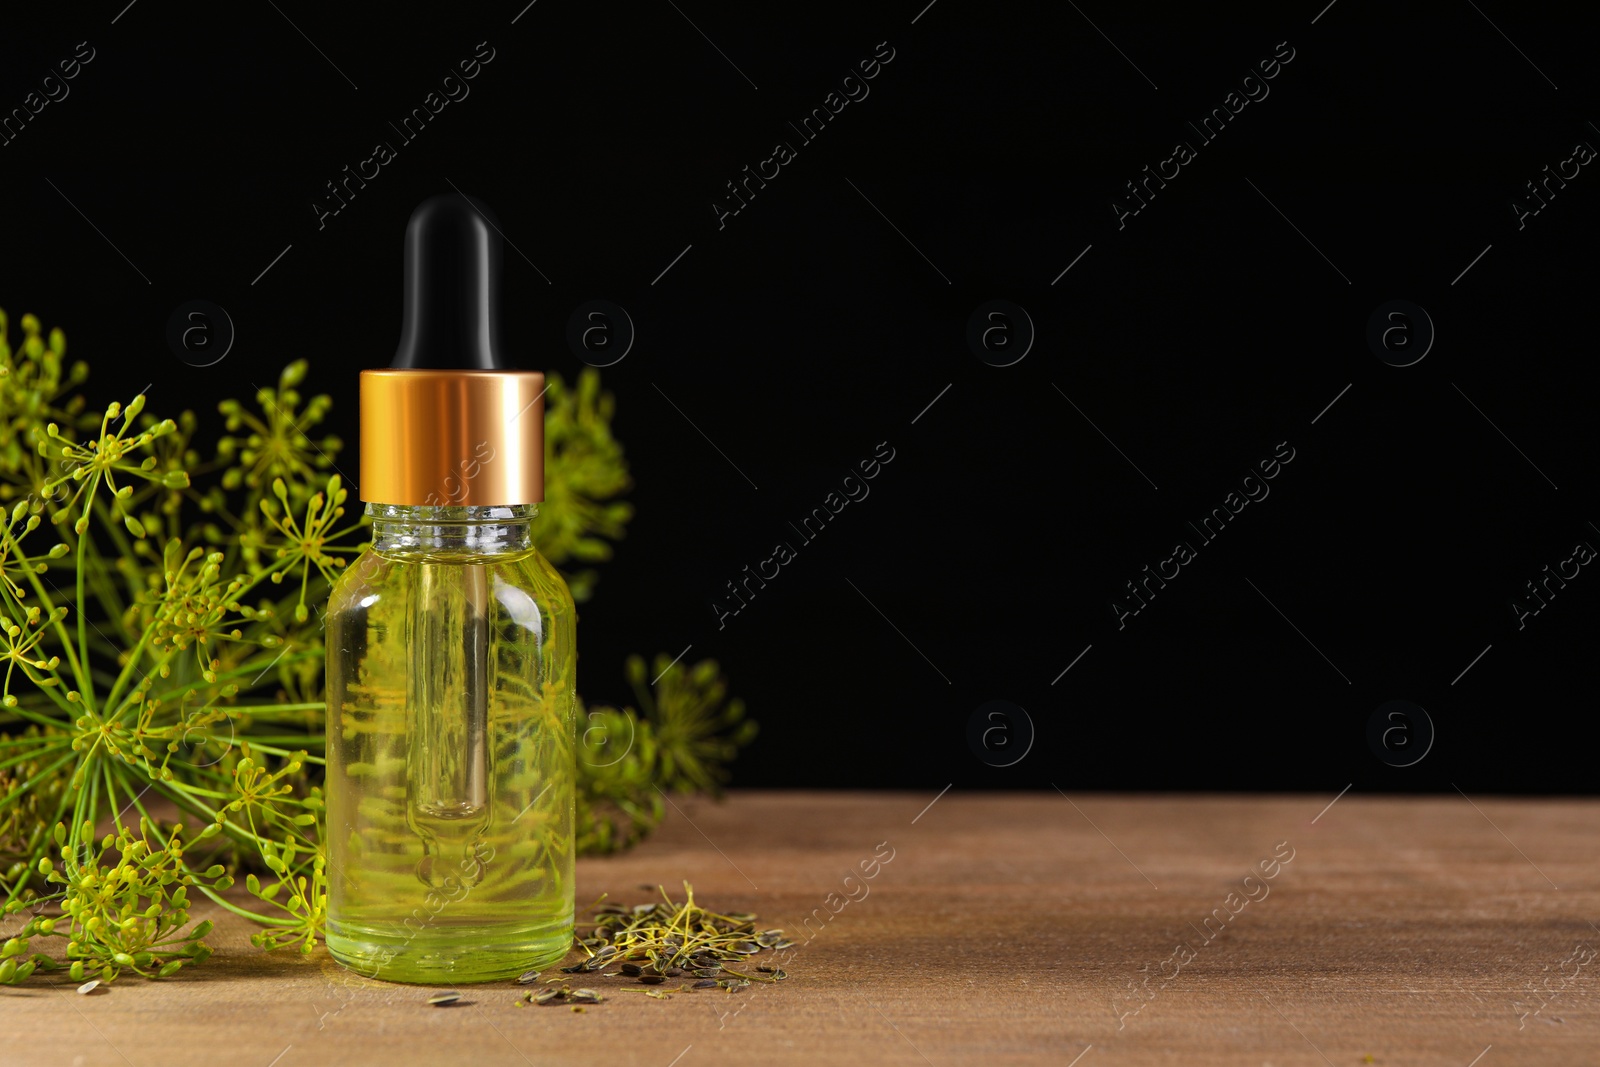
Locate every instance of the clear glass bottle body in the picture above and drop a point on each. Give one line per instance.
(451, 717)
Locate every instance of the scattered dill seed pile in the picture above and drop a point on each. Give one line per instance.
(652, 943)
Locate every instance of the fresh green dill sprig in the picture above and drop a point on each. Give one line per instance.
(163, 662)
(680, 742)
(122, 914)
(584, 474)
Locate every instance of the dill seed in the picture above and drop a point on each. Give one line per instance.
(439, 1000)
(660, 940)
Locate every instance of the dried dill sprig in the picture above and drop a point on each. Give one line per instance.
(160, 638)
(653, 942)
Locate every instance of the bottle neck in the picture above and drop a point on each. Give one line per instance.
(403, 529)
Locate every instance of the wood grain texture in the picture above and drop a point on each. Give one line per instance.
(1006, 929)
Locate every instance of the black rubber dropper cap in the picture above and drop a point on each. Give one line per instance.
(452, 287)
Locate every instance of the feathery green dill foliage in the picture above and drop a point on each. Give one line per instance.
(162, 648)
(681, 743)
(584, 473)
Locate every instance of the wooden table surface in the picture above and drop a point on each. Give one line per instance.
(1006, 929)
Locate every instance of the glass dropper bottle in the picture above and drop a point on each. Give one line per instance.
(450, 649)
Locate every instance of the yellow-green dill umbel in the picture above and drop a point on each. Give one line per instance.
(162, 707)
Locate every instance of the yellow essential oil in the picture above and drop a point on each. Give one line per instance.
(450, 650)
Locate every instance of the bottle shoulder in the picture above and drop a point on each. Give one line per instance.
(375, 573)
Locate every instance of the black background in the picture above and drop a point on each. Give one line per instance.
(827, 315)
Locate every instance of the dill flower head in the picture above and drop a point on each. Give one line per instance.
(162, 654)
